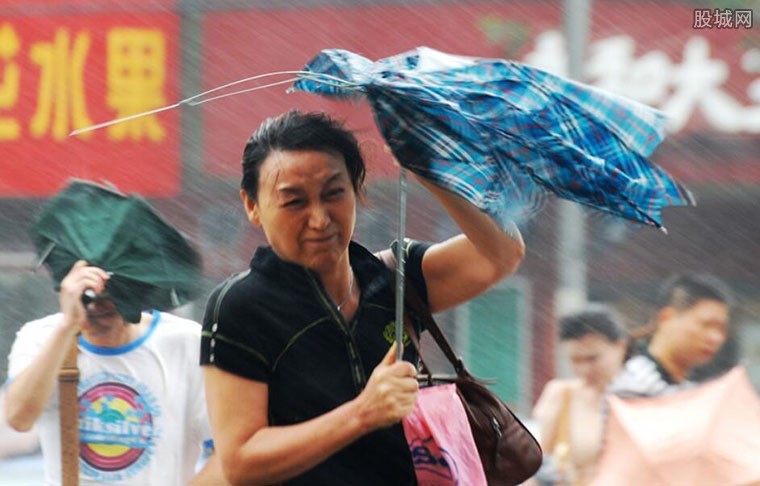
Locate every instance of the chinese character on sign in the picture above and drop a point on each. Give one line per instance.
(136, 75)
(614, 66)
(696, 84)
(61, 93)
(704, 18)
(10, 76)
(743, 19)
(724, 19)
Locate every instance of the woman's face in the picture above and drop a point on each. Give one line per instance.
(306, 206)
(595, 359)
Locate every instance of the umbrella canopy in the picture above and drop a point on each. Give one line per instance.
(502, 134)
(708, 435)
(151, 264)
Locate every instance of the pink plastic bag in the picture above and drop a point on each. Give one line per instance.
(440, 439)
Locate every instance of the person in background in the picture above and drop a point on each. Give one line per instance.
(569, 411)
(689, 327)
(142, 412)
(302, 380)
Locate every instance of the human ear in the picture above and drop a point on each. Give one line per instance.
(251, 208)
(665, 314)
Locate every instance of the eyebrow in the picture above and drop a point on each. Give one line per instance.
(295, 191)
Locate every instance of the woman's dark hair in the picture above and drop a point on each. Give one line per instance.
(684, 291)
(592, 319)
(293, 131)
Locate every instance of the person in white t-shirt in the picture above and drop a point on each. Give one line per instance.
(142, 413)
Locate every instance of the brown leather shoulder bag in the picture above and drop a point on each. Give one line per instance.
(509, 452)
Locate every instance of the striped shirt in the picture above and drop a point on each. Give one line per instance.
(644, 376)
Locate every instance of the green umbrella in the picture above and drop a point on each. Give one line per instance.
(152, 265)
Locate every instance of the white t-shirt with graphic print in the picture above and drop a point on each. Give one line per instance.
(142, 412)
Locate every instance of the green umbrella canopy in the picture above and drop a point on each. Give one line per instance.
(152, 265)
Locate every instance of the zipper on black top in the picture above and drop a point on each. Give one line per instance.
(357, 371)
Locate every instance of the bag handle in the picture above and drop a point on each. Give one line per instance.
(68, 402)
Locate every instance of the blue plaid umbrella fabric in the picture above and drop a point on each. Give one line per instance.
(503, 134)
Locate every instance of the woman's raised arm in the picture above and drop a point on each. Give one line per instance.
(466, 265)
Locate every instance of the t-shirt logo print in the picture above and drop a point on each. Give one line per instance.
(117, 426)
(389, 333)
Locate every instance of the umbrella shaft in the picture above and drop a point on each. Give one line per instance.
(400, 262)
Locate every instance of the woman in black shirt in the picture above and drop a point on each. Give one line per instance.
(301, 378)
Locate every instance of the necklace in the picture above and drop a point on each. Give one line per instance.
(348, 294)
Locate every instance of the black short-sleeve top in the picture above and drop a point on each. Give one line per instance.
(276, 324)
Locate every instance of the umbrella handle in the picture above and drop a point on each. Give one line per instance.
(88, 297)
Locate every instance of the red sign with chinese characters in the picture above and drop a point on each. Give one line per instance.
(61, 73)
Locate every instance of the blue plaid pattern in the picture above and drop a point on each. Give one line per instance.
(503, 135)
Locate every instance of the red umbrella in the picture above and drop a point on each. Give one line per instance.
(705, 436)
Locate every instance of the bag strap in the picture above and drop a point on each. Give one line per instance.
(413, 302)
(68, 402)
(421, 310)
(563, 420)
(560, 447)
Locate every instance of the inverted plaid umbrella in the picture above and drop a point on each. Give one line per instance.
(503, 135)
(152, 265)
(498, 133)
